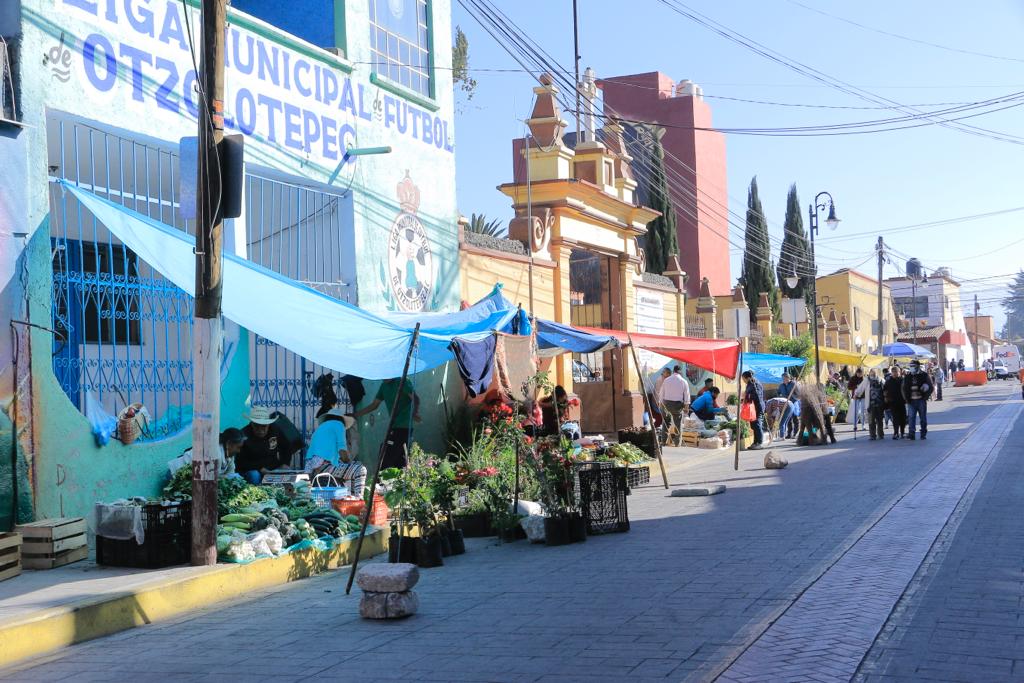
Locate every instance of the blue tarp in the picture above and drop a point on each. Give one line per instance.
(332, 333)
(554, 339)
(768, 367)
(494, 309)
(904, 350)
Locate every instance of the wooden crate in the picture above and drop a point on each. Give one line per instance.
(691, 438)
(51, 543)
(10, 555)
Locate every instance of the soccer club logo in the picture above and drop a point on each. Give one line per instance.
(410, 274)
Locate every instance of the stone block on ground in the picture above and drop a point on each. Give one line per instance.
(690, 491)
(774, 462)
(388, 605)
(388, 578)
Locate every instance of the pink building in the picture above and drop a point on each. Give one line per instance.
(694, 159)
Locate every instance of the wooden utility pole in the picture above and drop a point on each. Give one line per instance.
(977, 343)
(881, 319)
(207, 334)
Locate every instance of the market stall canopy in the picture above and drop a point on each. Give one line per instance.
(852, 358)
(768, 367)
(327, 331)
(720, 356)
(494, 309)
(904, 350)
(554, 339)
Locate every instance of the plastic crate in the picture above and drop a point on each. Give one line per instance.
(168, 540)
(603, 499)
(158, 550)
(638, 475)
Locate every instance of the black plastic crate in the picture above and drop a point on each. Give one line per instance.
(158, 550)
(638, 475)
(168, 539)
(603, 499)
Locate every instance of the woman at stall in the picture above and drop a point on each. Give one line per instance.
(229, 444)
(558, 403)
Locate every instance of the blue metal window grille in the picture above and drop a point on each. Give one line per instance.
(123, 331)
(400, 42)
(304, 233)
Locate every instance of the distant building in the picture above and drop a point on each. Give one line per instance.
(855, 295)
(933, 315)
(696, 166)
(981, 330)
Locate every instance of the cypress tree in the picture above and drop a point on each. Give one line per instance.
(662, 239)
(795, 256)
(758, 270)
(1013, 304)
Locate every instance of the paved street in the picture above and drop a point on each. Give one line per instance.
(810, 573)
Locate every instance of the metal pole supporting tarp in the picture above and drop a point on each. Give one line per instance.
(380, 456)
(650, 411)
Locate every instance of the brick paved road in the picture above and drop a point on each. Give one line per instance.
(680, 596)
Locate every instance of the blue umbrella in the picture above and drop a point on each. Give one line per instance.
(904, 350)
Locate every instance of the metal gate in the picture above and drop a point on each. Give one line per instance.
(590, 305)
(122, 331)
(304, 233)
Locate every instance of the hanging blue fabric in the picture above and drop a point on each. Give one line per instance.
(523, 324)
(475, 360)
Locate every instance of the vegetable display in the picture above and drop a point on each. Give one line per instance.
(627, 453)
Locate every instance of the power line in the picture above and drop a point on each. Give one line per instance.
(921, 226)
(900, 36)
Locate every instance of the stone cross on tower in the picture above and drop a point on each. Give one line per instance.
(588, 91)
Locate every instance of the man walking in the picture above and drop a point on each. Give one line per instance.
(917, 387)
(952, 369)
(675, 395)
(754, 394)
(876, 405)
(938, 378)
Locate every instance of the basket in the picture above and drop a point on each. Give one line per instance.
(130, 422)
(638, 475)
(379, 514)
(324, 495)
(349, 506)
(603, 499)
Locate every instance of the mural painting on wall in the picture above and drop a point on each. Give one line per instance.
(408, 280)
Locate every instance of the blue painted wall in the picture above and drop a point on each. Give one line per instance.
(311, 20)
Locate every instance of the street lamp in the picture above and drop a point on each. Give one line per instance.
(832, 222)
(792, 280)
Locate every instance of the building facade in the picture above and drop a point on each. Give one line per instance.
(695, 164)
(933, 315)
(854, 295)
(105, 91)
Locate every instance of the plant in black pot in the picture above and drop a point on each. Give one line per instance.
(397, 494)
(444, 489)
(553, 463)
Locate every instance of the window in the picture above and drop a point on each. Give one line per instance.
(400, 42)
(856, 318)
(105, 279)
(908, 307)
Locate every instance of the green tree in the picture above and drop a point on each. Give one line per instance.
(758, 270)
(479, 224)
(460, 64)
(662, 239)
(799, 347)
(795, 256)
(1013, 304)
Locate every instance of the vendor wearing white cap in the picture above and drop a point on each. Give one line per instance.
(266, 448)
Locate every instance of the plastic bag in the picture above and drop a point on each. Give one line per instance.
(103, 423)
(119, 522)
(747, 411)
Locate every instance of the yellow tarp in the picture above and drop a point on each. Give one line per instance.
(851, 358)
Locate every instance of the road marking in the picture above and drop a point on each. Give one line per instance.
(827, 631)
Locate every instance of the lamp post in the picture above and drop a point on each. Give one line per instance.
(832, 222)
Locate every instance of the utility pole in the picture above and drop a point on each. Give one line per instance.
(207, 335)
(576, 60)
(977, 344)
(881, 320)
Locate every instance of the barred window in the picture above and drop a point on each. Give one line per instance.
(400, 42)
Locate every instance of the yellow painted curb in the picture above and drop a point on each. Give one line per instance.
(51, 629)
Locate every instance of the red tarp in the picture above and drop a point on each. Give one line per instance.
(720, 356)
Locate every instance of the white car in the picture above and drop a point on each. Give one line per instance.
(1000, 370)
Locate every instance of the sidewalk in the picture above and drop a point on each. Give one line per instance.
(42, 611)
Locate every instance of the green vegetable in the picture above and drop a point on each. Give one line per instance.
(352, 519)
(239, 517)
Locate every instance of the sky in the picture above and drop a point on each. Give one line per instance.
(882, 182)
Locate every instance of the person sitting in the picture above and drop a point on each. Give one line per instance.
(266, 447)
(558, 403)
(329, 441)
(229, 444)
(704, 405)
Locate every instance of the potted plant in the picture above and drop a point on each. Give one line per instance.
(401, 547)
(553, 465)
(444, 492)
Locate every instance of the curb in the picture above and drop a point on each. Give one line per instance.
(50, 629)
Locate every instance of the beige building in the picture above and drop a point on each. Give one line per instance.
(854, 295)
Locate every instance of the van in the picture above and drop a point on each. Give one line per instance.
(1009, 354)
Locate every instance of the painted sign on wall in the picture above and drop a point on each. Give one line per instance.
(650, 319)
(276, 94)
